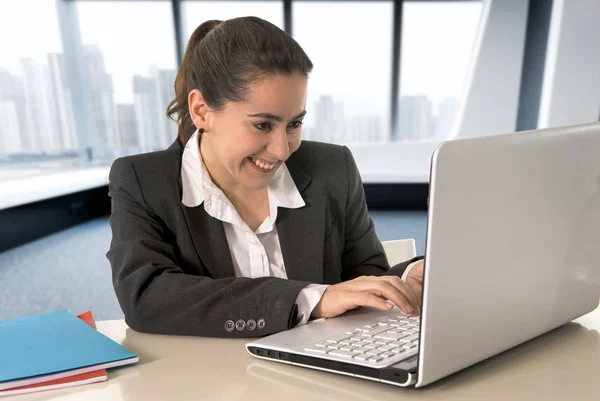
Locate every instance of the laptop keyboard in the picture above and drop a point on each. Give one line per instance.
(389, 340)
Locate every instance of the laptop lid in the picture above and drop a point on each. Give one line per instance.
(513, 246)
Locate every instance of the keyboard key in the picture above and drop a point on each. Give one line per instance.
(362, 350)
(356, 339)
(386, 347)
(321, 345)
(362, 357)
(333, 346)
(381, 341)
(371, 346)
(398, 350)
(346, 348)
(411, 338)
(383, 323)
(343, 354)
(375, 359)
(316, 350)
(387, 354)
(373, 352)
(388, 336)
(374, 331)
(338, 338)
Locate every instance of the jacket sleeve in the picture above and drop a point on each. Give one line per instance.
(363, 252)
(157, 296)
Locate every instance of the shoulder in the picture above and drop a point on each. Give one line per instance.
(147, 172)
(322, 159)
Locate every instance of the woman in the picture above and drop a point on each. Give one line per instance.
(238, 230)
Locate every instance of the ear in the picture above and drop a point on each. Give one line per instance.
(198, 109)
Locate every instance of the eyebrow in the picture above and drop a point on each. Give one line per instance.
(270, 116)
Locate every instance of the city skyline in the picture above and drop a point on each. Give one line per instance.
(39, 102)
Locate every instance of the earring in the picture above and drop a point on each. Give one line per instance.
(201, 130)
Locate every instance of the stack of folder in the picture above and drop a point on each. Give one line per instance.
(55, 350)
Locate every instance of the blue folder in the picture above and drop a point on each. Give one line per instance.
(51, 343)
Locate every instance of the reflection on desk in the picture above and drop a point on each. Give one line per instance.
(561, 364)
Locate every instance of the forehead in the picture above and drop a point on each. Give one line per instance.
(282, 95)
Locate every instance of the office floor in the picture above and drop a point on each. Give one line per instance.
(69, 269)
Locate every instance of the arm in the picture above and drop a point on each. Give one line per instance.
(363, 252)
(158, 297)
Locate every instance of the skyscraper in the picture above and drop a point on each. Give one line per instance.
(10, 134)
(416, 118)
(62, 100)
(102, 98)
(126, 119)
(329, 121)
(446, 117)
(40, 111)
(165, 81)
(146, 107)
(13, 128)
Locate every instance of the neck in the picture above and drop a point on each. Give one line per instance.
(235, 192)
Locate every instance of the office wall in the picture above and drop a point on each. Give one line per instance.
(490, 103)
(571, 89)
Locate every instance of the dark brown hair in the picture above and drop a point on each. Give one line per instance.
(223, 58)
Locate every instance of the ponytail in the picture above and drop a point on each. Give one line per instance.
(179, 105)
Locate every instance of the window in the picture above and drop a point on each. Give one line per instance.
(437, 41)
(349, 89)
(130, 70)
(196, 12)
(36, 122)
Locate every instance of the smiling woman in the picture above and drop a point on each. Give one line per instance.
(240, 228)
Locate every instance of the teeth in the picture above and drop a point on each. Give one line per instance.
(263, 165)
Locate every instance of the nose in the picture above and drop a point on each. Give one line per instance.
(278, 145)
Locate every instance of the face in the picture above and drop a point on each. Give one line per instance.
(245, 143)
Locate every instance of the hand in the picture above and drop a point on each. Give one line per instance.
(414, 279)
(372, 291)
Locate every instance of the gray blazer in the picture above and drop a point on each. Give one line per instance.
(171, 266)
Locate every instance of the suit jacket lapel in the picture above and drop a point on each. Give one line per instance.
(302, 232)
(210, 241)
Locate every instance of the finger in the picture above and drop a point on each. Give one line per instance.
(368, 299)
(398, 292)
(417, 288)
(404, 289)
(419, 271)
(388, 291)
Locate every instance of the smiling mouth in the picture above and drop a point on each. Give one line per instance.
(263, 164)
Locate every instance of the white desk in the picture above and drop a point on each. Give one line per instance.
(561, 365)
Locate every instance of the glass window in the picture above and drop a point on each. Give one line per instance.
(196, 12)
(349, 89)
(437, 42)
(131, 64)
(36, 122)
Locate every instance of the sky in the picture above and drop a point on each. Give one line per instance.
(350, 43)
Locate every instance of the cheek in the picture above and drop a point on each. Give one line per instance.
(294, 143)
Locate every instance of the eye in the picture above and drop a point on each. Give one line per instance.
(295, 124)
(264, 127)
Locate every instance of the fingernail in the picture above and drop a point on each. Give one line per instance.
(409, 309)
(388, 305)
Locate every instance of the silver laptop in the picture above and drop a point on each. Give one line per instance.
(512, 252)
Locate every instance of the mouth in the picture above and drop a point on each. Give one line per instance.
(262, 165)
